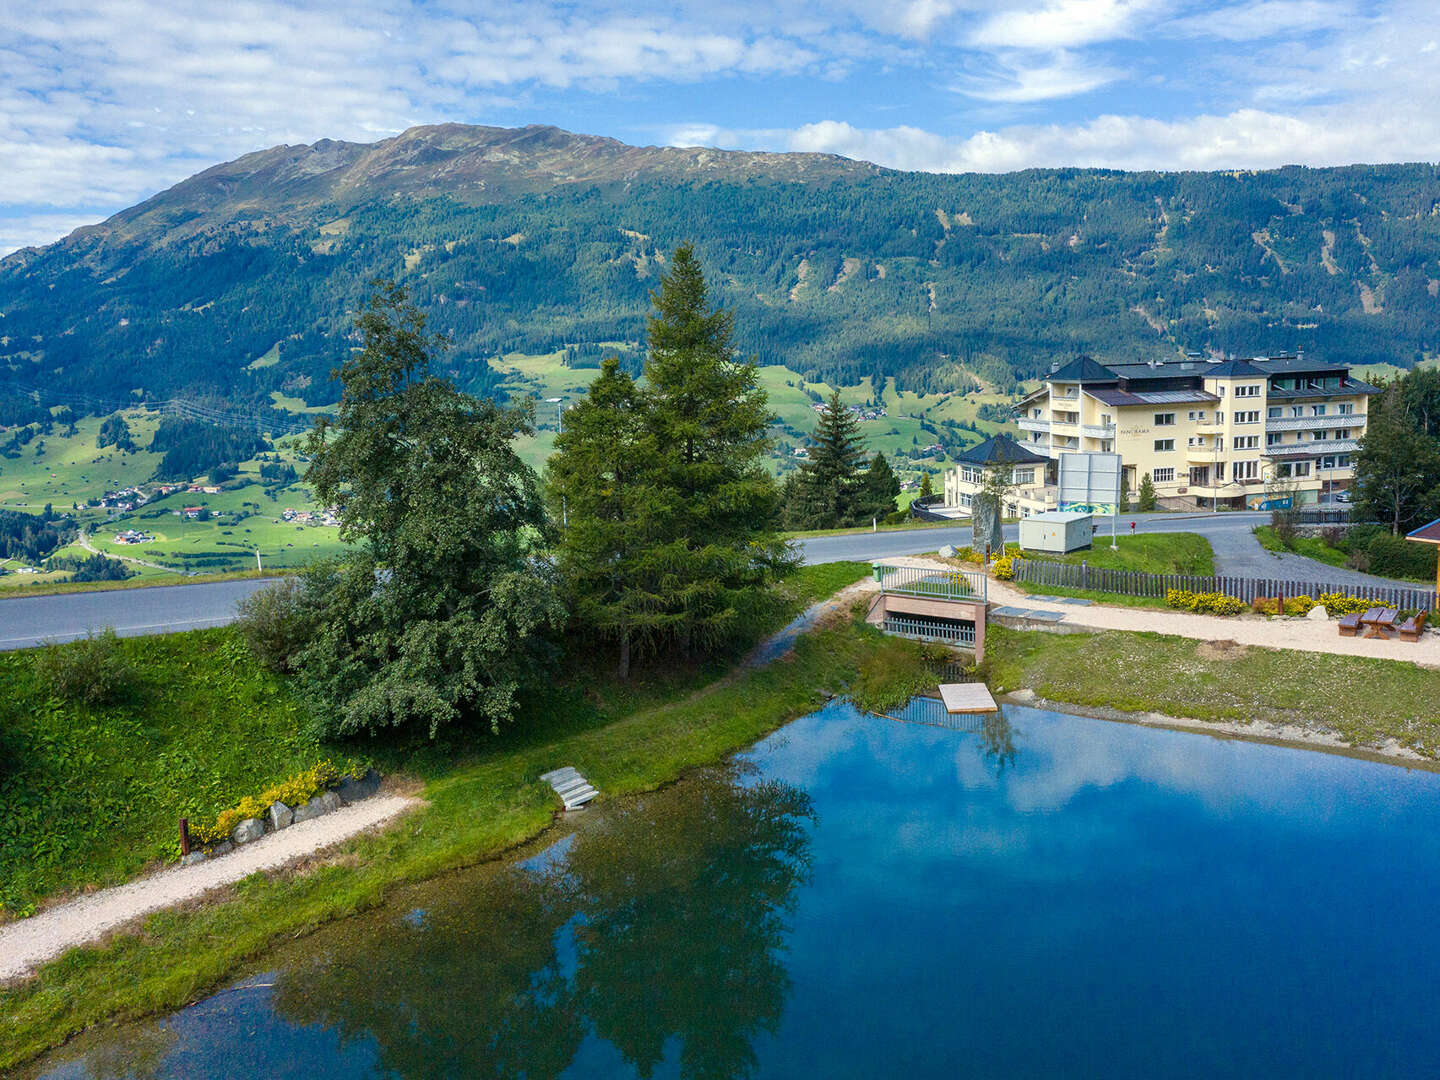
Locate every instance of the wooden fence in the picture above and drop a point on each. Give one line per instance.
(1139, 583)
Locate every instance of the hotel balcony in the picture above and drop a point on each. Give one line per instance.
(1028, 424)
(1312, 449)
(1204, 455)
(1314, 423)
(1098, 431)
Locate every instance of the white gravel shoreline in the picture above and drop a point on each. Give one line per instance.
(30, 942)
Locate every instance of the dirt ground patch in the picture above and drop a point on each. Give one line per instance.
(1221, 650)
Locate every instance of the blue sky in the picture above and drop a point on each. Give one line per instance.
(104, 102)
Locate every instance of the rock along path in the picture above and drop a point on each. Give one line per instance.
(30, 942)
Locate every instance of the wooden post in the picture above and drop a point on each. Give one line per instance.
(184, 836)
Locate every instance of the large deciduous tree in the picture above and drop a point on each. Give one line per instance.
(436, 616)
(1397, 468)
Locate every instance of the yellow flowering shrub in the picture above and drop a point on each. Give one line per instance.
(1338, 605)
(1004, 568)
(1209, 603)
(298, 789)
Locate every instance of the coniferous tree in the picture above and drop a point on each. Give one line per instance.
(1397, 469)
(881, 489)
(709, 501)
(926, 488)
(828, 493)
(1147, 494)
(597, 478)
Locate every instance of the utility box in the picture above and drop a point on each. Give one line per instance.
(1057, 531)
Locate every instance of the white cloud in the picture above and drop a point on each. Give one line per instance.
(1062, 24)
(1267, 19)
(1018, 79)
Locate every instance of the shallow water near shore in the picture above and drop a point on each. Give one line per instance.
(1035, 895)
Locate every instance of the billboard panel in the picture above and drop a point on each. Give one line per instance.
(1090, 483)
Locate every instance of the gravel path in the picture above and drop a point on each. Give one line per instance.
(30, 942)
(1306, 635)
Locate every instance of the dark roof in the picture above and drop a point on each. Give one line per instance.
(1228, 369)
(1083, 369)
(1427, 534)
(1113, 396)
(1350, 388)
(1000, 450)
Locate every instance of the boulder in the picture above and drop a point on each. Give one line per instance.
(280, 815)
(949, 551)
(351, 790)
(1318, 613)
(323, 803)
(222, 848)
(193, 858)
(252, 828)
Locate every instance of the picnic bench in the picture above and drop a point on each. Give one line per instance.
(1350, 624)
(1413, 627)
(1379, 622)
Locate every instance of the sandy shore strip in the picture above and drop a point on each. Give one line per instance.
(30, 942)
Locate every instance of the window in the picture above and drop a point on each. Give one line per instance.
(1346, 410)
(1273, 413)
(1246, 470)
(1107, 420)
(1164, 446)
(1164, 419)
(971, 475)
(1246, 442)
(1342, 433)
(1163, 476)
(1220, 391)
(1219, 417)
(1302, 468)
(1320, 436)
(1249, 390)
(1219, 471)
(1297, 410)
(1317, 410)
(1285, 470)
(1274, 438)
(1342, 461)
(1251, 417)
(1035, 414)
(1022, 477)
(1195, 441)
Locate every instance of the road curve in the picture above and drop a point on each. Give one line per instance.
(27, 621)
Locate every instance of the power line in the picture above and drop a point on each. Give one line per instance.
(183, 407)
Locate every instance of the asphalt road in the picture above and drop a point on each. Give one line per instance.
(27, 621)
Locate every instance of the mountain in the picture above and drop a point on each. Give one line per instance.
(241, 280)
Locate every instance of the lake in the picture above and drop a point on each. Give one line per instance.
(1040, 895)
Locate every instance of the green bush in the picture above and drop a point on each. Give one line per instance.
(1394, 556)
(275, 623)
(90, 671)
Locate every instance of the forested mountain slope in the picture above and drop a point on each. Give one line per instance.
(240, 281)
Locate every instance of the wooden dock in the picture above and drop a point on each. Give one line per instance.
(574, 790)
(967, 698)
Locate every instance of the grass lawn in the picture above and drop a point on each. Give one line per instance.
(1117, 599)
(483, 796)
(1312, 547)
(1363, 701)
(1154, 553)
(140, 581)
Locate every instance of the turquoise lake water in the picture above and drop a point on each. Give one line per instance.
(1041, 896)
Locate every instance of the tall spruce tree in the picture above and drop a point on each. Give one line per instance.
(828, 492)
(705, 502)
(597, 479)
(881, 489)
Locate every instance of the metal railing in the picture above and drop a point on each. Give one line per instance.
(923, 629)
(949, 584)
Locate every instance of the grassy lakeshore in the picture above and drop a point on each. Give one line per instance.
(484, 797)
(1363, 701)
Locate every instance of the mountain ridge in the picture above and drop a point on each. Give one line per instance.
(240, 282)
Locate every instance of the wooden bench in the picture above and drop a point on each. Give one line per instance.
(1379, 622)
(1413, 627)
(1350, 625)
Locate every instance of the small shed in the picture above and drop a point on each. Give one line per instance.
(1057, 531)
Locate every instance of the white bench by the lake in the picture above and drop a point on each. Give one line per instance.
(967, 698)
(574, 790)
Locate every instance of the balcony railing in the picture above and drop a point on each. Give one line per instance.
(1098, 431)
(1312, 448)
(1027, 423)
(1313, 423)
(953, 584)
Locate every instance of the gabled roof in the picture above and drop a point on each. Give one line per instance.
(1426, 534)
(1000, 450)
(1083, 369)
(1229, 369)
